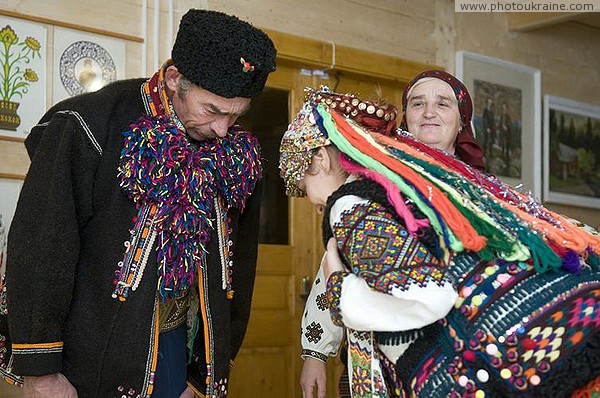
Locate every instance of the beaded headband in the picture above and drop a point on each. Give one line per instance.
(303, 136)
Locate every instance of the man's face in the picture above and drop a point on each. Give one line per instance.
(204, 115)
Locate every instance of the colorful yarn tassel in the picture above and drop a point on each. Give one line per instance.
(468, 209)
(160, 167)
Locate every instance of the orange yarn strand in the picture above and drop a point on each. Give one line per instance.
(569, 235)
(459, 225)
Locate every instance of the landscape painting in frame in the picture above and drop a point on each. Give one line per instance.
(571, 152)
(507, 118)
(497, 120)
(22, 76)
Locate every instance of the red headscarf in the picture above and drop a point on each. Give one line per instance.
(466, 147)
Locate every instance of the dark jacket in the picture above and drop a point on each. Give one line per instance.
(65, 242)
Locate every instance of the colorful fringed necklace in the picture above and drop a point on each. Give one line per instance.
(174, 184)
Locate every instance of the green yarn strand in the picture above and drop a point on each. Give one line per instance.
(593, 260)
(346, 147)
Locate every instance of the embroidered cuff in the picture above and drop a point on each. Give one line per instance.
(334, 294)
(313, 354)
(37, 359)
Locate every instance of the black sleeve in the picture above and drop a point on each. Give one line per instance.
(44, 240)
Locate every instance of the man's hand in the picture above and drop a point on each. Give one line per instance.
(314, 374)
(53, 385)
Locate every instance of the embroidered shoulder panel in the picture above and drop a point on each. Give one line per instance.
(382, 252)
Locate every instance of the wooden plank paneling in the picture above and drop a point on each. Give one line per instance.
(294, 49)
(398, 28)
(111, 17)
(272, 292)
(14, 161)
(70, 25)
(255, 365)
(525, 21)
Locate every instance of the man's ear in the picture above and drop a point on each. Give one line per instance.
(323, 159)
(172, 77)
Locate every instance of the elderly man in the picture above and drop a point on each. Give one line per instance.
(132, 253)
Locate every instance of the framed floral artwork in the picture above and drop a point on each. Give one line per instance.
(506, 117)
(22, 76)
(571, 152)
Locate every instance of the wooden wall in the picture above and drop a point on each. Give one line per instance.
(425, 31)
(567, 54)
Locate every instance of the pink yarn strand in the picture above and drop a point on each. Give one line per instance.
(392, 192)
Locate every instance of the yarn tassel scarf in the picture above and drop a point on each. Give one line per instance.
(161, 169)
(468, 209)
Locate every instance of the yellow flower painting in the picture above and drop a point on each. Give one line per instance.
(20, 56)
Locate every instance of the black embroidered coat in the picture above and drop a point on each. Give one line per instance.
(65, 241)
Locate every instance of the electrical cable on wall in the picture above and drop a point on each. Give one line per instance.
(145, 37)
(156, 37)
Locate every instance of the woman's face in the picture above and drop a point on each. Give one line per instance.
(316, 189)
(322, 178)
(432, 114)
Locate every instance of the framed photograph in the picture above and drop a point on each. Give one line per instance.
(9, 195)
(22, 76)
(571, 152)
(85, 62)
(506, 117)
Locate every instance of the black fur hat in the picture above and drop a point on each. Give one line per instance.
(223, 54)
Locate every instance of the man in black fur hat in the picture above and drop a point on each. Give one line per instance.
(132, 253)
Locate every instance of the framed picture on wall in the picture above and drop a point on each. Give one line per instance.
(85, 62)
(571, 152)
(506, 117)
(22, 76)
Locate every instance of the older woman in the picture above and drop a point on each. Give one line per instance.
(449, 282)
(438, 111)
